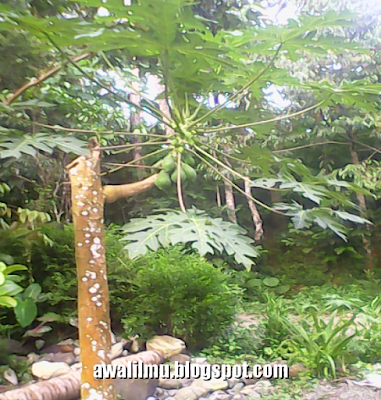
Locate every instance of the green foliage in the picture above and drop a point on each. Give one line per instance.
(322, 344)
(53, 267)
(206, 235)
(179, 294)
(257, 286)
(15, 146)
(314, 257)
(237, 342)
(23, 301)
(8, 286)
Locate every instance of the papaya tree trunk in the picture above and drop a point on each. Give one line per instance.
(254, 213)
(362, 204)
(93, 296)
(67, 387)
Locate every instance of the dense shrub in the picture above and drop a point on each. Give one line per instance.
(182, 295)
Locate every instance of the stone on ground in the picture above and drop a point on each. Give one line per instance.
(168, 346)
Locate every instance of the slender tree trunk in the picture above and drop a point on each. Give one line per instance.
(363, 209)
(163, 106)
(218, 196)
(230, 203)
(229, 193)
(93, 295)
(135, 121)
(254, 212)
(67, 387)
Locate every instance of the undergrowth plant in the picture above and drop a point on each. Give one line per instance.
(180, 294)
(321, 345)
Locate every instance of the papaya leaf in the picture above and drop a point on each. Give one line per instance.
(206, 235)
(16, 146)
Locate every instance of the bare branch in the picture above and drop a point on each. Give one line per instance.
(43, 76)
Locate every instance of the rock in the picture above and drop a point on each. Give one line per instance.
(66, 346)
(180, 358)
(238, 387)
(190, 393)
(166, 345)
(77, 351)
(170, 383)
(47, 370)
(220, 395)
(263, 387)
(134, 389)
(232, 382)
(116, 350)
(33, 357)
(76, 366)
(67, 358)
(295, 370)
(250, 381)
(260, 388)
(134, 345)
(239, 397)
(10, 376)
(253, 395)
(377, 367)
(212, 385)
(199, 360)
(66, 342)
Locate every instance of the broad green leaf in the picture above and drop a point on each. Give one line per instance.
(7, 301)
(271, 281)
(25, 312)
(14, 268)
(16, 146)
(32, 291)
(205, 234)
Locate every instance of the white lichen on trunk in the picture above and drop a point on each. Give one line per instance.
(93, 297)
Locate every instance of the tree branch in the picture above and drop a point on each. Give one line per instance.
(115, 192)
(43, 76)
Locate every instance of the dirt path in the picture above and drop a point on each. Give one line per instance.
(343, 391)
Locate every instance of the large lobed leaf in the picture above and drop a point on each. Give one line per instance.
(16, 146)
(205, 234)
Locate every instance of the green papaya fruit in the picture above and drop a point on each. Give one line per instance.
(190, 172)
(183, 175)
(168, 163)
(163, 180)
(189, 159)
